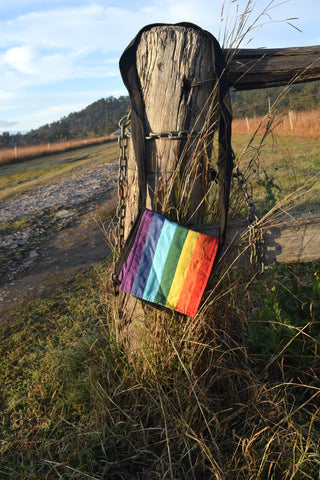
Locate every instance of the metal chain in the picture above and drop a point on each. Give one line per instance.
(123, 142)
(173, 135)
(255, 232)
(180, 134)
(256, 245)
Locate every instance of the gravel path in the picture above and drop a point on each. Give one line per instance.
(82, 186)
(48, 210)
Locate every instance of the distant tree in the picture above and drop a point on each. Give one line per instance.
(5, 140)
(63, 131)
(256, 102)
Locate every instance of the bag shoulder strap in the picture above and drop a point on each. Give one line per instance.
(129, 73)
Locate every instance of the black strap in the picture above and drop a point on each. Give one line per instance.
(129, 73)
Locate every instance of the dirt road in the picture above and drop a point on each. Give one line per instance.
(57, 234)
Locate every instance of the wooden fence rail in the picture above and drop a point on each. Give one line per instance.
(285, 240)
(164, 57)
(263, 68)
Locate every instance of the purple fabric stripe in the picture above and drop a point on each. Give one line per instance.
(131, 265)
(147, 256)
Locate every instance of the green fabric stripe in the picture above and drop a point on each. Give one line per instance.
(170, 266)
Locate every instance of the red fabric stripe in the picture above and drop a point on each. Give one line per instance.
(203, 275)
(192, 275)
(198, 273)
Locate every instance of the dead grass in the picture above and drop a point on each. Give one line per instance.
(207, 398)
(20, 154)
(297, 124)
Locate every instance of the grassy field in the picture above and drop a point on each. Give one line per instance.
(280, 167)
(295, 124)
(231, 395)
(20, 177)
(275, 162)
(234, 395)
(21, 154)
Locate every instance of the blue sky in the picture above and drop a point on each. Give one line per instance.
(58, 56)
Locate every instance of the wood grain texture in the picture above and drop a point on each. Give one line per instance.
(169, 59)
(286, 240)
(261, 68)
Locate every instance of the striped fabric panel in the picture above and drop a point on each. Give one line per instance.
(183, 265)
(131, 265)
(159, 260)
(200, 269)
(168, 264)
(203, 245)
(169, 269)
(147, 258)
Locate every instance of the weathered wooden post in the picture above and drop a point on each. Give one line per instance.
(175, 88)
(172, 77)
(176, 80)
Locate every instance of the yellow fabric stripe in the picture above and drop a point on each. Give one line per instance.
(182, 268)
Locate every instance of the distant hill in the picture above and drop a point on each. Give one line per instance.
(98, 119)
(102, 117)
(251, 103)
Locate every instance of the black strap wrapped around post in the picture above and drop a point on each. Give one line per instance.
(129, 72)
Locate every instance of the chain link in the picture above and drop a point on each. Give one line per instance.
(253, 214)
(123, 142)
(255, 232)
(173, 135)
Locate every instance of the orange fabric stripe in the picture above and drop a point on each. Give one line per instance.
(182, 269)
(203, 275)
(190, 283)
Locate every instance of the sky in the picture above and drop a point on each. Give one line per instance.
(59, 56)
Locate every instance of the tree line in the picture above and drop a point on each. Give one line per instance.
(98, 119)
(252, 103)
(102, 117)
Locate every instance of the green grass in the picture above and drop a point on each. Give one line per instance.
(289, 315)
(24, 176)
(290, 163)
(207, 404)
(230, 395)
(19, 224)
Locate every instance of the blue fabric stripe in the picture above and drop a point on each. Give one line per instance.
(147, 257)
(159, 260)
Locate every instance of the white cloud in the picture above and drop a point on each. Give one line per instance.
(67, 43)
(81, 41)
(5, 95)
(47, 108)
(90, 27)
(97, 27)
(62, 42)
(21, 67)
(21, 59)
(57, 111)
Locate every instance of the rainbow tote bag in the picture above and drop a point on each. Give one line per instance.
(168, 264)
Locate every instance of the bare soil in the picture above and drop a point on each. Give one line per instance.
(66, 253)
(53, 232)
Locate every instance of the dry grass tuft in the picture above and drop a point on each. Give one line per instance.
(297, 124)
(20, 154)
